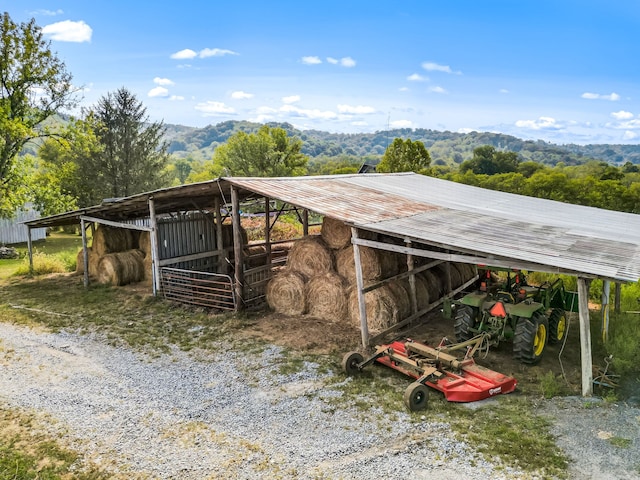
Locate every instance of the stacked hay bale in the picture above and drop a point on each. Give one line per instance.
(320, 280)
(114, 256)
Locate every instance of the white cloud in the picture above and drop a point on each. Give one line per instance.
(163, 81)
(176, 98)
(629, 124)
(68, 31)
(215, 52)
(356, 109)
(240, 95)
(416, 77)
(306, 113)
(614, 97)
(401, 124)
(332, 61)
(360, 123)
(542, 123)
(434, 67)
(347, 62)
(628, 135)
(437, 90)
(264, 110)
(504, 90)
(47, 13)
(403, 89)
(622, 115)
(185, 54)
(291, 99)
(158, 92)
(212, 109)
(310, 60)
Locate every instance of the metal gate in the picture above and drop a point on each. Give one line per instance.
(202, 289)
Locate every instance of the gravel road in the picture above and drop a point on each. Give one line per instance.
(178, 417)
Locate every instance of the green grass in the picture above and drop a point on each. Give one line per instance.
(26, 454)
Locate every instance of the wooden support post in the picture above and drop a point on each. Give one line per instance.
(616, 305)
(412, 282)
(30, 248)
(237, 248)
(267, 231)
(85, 255)
(222, 263)
(362, 308)
(606, 291)
(153, 237)
(305, 222)
(449, 283)
(585, 337)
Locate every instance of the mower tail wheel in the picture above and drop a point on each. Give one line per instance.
(557, 325)
(530, 338)
(416, 396)
(351, 362)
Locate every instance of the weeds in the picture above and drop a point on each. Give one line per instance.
(620, 442)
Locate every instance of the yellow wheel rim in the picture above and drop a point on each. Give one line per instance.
(562, 327)
(539, 340)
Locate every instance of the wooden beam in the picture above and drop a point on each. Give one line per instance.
(30, 247)
(362, 308)
(222, 264)
(153, 238)
(267, 229)
(111, 223)
(606, 292)
(412, 282)
(585, 337)
(616, 304)
(305, 222)
(237, 248)
(85, 256)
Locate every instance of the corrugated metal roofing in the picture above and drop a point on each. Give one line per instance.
(493, 224)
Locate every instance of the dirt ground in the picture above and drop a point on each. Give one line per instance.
(312, 335)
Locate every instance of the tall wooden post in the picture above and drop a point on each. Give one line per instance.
(412, 282)
(85, 256)
(606, 291)
(616, 304)
(30, 247)
(362, 308)
(237, 248)
(222, 264)
(267, 231)
(585, 337)
(153, 237)
(305, 222)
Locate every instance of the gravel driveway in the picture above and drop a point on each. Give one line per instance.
(177, 417)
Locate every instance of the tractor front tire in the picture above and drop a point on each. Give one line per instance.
(351, 362)
(463, 321)
(557, 325)
(416, 396)
(530, 338)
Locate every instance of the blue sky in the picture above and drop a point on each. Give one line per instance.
(563, 71)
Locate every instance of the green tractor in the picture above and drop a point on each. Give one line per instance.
(530, 315)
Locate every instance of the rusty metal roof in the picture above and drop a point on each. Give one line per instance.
(476, 221)
(462, 218)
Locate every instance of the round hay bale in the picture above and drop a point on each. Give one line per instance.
(144, 242)
(310, 256)
(286, 292)
(121, 268)
(255, 255)
(401, 297)
(433, 284)
(381, 307)
(467, 271)
(108, 239)
(422, 292)
(389, 263)
(335, 233)
(345, 264)
(327, 296)
(93, 262)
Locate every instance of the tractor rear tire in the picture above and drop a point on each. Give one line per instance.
(530, 338)
(463, 321)
(350, 363)
(416, 396)
(557, 325)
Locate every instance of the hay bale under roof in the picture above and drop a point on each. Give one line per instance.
(310, 256)
(121, 268)
(108, 239)
(345, 264)
(335, 233)
(327, 296)
(286, 294)
(381, 306)
(93, 262)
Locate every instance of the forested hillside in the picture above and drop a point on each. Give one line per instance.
(445, 148)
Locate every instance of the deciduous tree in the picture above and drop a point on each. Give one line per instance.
(405, 156)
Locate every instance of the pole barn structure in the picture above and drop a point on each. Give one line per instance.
(428, 217)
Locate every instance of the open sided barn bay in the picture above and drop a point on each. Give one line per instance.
(173, 392)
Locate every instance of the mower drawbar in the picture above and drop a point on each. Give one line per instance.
(459, 380)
